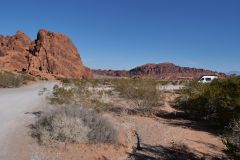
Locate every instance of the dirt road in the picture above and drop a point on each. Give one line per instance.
(14, 105)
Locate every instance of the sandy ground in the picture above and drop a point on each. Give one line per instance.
(16, 115)
(171, 138)
(14, 104)
(156, 138)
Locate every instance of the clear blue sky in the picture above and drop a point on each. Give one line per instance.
(121, 34)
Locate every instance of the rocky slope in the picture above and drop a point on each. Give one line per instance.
(159, 71)
(50, 55)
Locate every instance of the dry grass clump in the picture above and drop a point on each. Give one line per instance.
(10, 79)
(73, 124)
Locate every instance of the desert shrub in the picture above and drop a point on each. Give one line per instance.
(61, 95)
(232, 139)
(73, 124)
(68, 80)
(80, 92)
(10, 79)
(64, 80)
(218, 101)
(143, 93)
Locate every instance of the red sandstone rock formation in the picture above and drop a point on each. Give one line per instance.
(50, 55)
(170, 71)
(159, 71)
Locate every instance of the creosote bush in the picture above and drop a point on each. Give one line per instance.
(73, 124)
(62, 95)
(10, 79)
(232, 139)
(142, 96)
(143, 93)
(218, 102)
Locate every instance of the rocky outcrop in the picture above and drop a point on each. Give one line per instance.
(159, 71)
(50, 55)
(169, 71)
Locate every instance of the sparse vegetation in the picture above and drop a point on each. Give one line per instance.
(218, 102)
(10, 79)
(73, 124)
(61, 95)
(142, 94)
(142, 97)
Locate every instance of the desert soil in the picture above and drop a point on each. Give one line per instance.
(19, 108)
(15, 103)
(171, 138)
(152, 138)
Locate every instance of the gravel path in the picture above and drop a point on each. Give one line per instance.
(14, 104)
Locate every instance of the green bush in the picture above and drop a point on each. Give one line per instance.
(143, 93)
(62, 95)
(218, 101)
(10, 79)
(232, 139)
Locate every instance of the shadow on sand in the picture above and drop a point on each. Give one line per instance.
(181, 119)
(176, 152)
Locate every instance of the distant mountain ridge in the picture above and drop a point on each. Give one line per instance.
(159, 71)
(234, 73)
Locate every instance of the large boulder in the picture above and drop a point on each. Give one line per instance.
(50, 55)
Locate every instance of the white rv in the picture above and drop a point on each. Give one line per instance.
(207, 79)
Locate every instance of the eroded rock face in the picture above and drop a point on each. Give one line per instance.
(50, 55)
